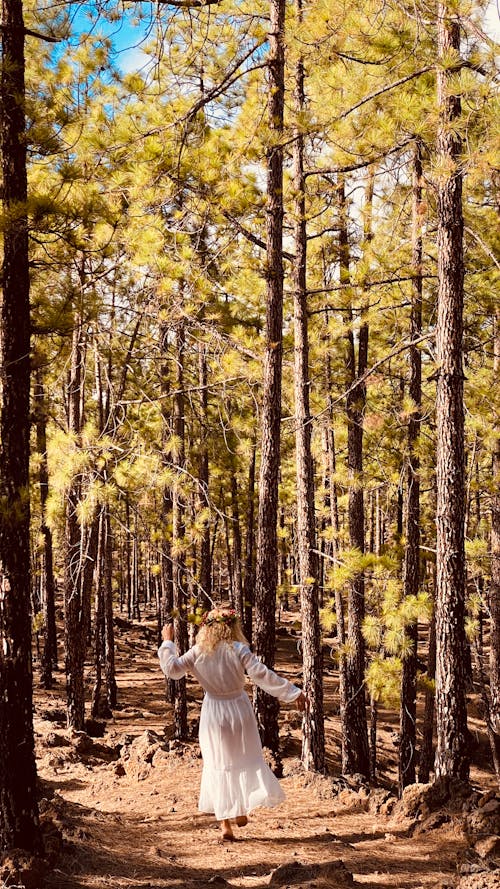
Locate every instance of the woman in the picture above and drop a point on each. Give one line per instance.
(235, 778)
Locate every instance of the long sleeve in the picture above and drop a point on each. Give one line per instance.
(175, 667)
(265, 678)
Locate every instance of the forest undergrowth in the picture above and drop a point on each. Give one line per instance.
(120, 810)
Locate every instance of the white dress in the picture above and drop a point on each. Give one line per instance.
(235, 778)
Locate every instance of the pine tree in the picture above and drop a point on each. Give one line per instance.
(19, 826)
(452, 755)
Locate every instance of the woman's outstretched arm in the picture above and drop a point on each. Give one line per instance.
(268, 680)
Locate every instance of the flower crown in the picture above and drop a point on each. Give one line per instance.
(219, 616)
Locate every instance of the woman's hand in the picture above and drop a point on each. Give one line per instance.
(301, 702)
(167, 633)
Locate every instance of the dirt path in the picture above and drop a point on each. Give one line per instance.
(132, 821)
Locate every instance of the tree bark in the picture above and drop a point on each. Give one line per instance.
(452, 756)
(74, 623)
(178, 533)
(426, 759)
(203, 477)
(49, 654)
(19, 825)
(313, 734)
(249, 578)
(237, 555)
(267, 549)
(495, 560)
(411, 569)
(355, 751)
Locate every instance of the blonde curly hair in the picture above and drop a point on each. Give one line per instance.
(219, 626)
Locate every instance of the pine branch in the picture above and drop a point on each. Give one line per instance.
(366, 285)
(38, 36)
(368, 373)
(350, 168)
(254, 239)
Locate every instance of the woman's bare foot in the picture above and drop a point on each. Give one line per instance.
(241, 820)
(227, 830)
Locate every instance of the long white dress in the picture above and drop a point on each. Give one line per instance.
(235, 777)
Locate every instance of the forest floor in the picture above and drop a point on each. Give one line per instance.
(126, 804)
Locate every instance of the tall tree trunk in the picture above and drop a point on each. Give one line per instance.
(313, 734)
(452, 756)
(267, 543)
(355, 752)
(96, 705)
(236, 535)
(109, 632)
(49, 655)
(178, 531)
(411, 571)
(495, 559)
(426, 759)
(203, 477)
(74, 624)
(19, 825)
(248, 584)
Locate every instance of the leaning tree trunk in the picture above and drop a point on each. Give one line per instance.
(452, 756)
(313, 734)
(267, 539)
(355, 752)
(19, 825)
(411, 571)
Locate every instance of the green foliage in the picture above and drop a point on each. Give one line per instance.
(383, 679)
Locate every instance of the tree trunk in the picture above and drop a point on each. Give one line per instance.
(49, 655)
(109, 632)
(178, 533)
(313, 735)
(74, 624)
(426, 758)
(249, 580)
(235, 524)
(19, 825)
(452, 756)
(495, 559)
(355, 752)
(267, 549)
(205, 596)
(411, 570)
(96, 706)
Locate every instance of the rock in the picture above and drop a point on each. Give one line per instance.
(381, 802)
(54, 715)
(491, 794)
(19, 868)
(330, 875)
(85, 747)
(492, 805)
(487, 847)
(119, 769)
(432, 822)
(95, 727)
(419, 800)
(82, 743)
(480, 881)
(55, 740)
